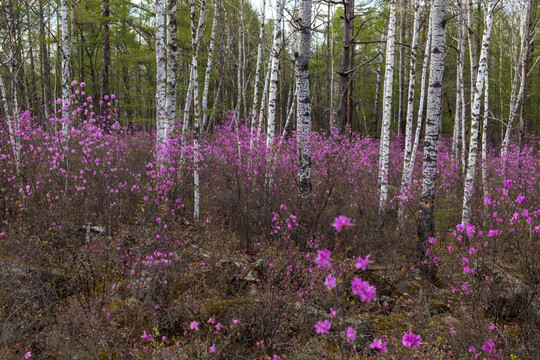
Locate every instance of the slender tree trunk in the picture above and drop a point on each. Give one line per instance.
(475, 117)
(485, 133)
(472, 44)
(515, 98)
(410, 112)
(528, 34)
(240, 63)
(208, 71)
(253, 114)
(172, 67)
(303, 120)
(344, 110)
(375, 122)
(401, 75)
(45, 64)
(66, 74)
(431, 140)
(271, 128)
(106, 53)
(161, 76)
(458, 150)
(384, 150)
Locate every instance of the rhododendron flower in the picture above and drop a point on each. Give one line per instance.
(218, 326)
(341, 222)
(460, 227)
(83, 84)
(323, 327)
(472, 349)
(212, 348)
(363, 289)
(74, 82)
(323, 259)
(28, 355)
(493, 233)
(350, 334)
(194, 326)
(330, 282)
(507, 183)
(378, 345)
(276, 357)
(236, 321)
(146, 336)
(411, 340)
(488, 346)
(332, 312)
(363, 263)
(521, 199)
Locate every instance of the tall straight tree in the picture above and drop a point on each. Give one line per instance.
(410, 108)
(208, 70)
(345, 75)
(66, 73)
(458, 141)
(161, 77)
(272, 96)
(303, 120)
(106, 50)
(431, 139)
(253, 114)
(475, 116)
(172, 66)
(384, 150)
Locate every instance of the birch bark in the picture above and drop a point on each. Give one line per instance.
(66, 74)
(172, 66)
(384, 150)
(475, 117)
(271, 128)
(208, 71)
(431, 139)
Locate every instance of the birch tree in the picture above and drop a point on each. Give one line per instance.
(303, 103)
(410, 110)
(431, 139)
(172, 66)
(475, 116)
(161, 77)
(253, 114)
(66, 74)
(208, 70)
(276, 49)
(458, 142)
(344, 110)
(384, 150)
(485, 132)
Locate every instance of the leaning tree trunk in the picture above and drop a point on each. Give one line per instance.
(172, 66)
(431, 139)
(271, 128)
(161, 75)
(410, 112)
(303, 103)
(384, 150)
(475, 117)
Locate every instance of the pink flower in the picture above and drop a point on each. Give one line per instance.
(332, 312)
(218, 326)
(323, 259)
(330, 282)
(493, 233)
(350, 334)
(378, 345)
(27, 355)
(276, 357)
(211, 320)
(363, 263)
(507, 183)
(323, 327)
(146, 336)
(212, 348)
(194, 326)
(341, 222)
(472, 349)
(363, 289)
(74, 82)
(236, 321)
(521, 199)
(488, 346)
(83, 84)
(411, 340)
(460, 227)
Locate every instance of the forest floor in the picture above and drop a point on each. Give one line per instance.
(104, 261)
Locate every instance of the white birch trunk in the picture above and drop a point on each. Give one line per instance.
(515, 99)
(12, 119)
(303, 102)
(253, 114)
(387, 109)
(66, 75)
(172, 65)
(208, 71)
(263, 101)
(161, 76)
(271, 128)
(475, 117)
(291, 106)
(458, 150)
(410, 112)
(196, 108)
(484, 133)
(431, 139)
(240, 62)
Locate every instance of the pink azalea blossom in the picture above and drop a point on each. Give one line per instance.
(363, 289)
(323, 259)
(323, 327)
(194, 326)
(341, 222)
(363, 263)
(378, 345)
(350, 334)
(27, 355)
(212, 348)
(411, 340)
(146, 336)
(330, 282)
